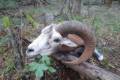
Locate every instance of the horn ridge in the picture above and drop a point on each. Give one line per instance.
(82, 30)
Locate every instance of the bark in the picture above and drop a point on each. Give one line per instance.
(88, 71)
(76, 10)
(108, 3)
(71, 7)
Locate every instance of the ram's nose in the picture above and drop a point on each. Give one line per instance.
(29, 50)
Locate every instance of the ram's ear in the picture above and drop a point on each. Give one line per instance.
(48, 28)
(68, 42)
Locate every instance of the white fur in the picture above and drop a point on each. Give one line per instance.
(38, 44)
(99, 56)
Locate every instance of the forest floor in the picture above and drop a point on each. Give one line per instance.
(105, 22)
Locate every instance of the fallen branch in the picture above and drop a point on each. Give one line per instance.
(88, 71)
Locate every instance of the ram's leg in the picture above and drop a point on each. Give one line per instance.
(98, 55)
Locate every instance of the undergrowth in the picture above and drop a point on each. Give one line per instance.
(41, 65)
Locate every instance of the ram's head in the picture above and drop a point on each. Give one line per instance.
(54, 38)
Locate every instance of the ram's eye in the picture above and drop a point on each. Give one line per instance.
(56, 40)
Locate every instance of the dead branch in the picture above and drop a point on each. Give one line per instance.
(88, 71)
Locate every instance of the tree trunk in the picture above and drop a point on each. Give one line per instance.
(71, 8)
(76, 8)
(108, 3)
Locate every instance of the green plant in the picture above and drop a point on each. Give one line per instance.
(9, 65)
(42, 65)
(6, 22)
(96, 22)
(79, 18)
(4, 39)
(31, 20)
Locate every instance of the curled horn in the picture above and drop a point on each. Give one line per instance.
(75, 27)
